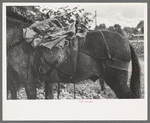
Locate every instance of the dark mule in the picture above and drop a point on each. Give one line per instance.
(102, 54)
(16, 57)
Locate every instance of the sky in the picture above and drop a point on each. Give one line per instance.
(125, 14)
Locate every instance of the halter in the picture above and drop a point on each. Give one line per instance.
(53, 66)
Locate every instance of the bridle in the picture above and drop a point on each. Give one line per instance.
(53, 66)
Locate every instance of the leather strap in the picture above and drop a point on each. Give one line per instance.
(105, 42)
(111, 62)
(56, 68)
(53, 66)
(117, 64)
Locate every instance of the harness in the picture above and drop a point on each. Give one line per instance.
(106, 61)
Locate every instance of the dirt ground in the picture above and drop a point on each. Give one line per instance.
(87, 89)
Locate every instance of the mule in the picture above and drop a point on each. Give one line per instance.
(16, 57)
(104, 54)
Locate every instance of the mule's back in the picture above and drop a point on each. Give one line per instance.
(118, 46)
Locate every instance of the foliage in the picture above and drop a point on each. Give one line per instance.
(30, 12)
(111, 28)
(141, 26)
(135, 31)
(128, 29)
(101, 26)
(66, 15)
(116, 28)
(139, 48)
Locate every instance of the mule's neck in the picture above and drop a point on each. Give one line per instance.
(14, 32)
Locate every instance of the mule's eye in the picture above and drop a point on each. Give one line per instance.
(66, 42)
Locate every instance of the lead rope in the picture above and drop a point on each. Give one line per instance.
(28, 66)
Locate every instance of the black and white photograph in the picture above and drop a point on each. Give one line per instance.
(74, 55)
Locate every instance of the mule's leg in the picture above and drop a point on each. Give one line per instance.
(49, 93)
(8, 86)
(101, 77)
(12, 88)
(117, 81)
(30, 86)
(13, 93)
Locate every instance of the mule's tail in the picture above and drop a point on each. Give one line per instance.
(135, 77)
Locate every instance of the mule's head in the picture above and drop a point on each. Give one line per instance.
(46, 58)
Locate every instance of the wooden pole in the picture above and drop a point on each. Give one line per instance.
(95, 18)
